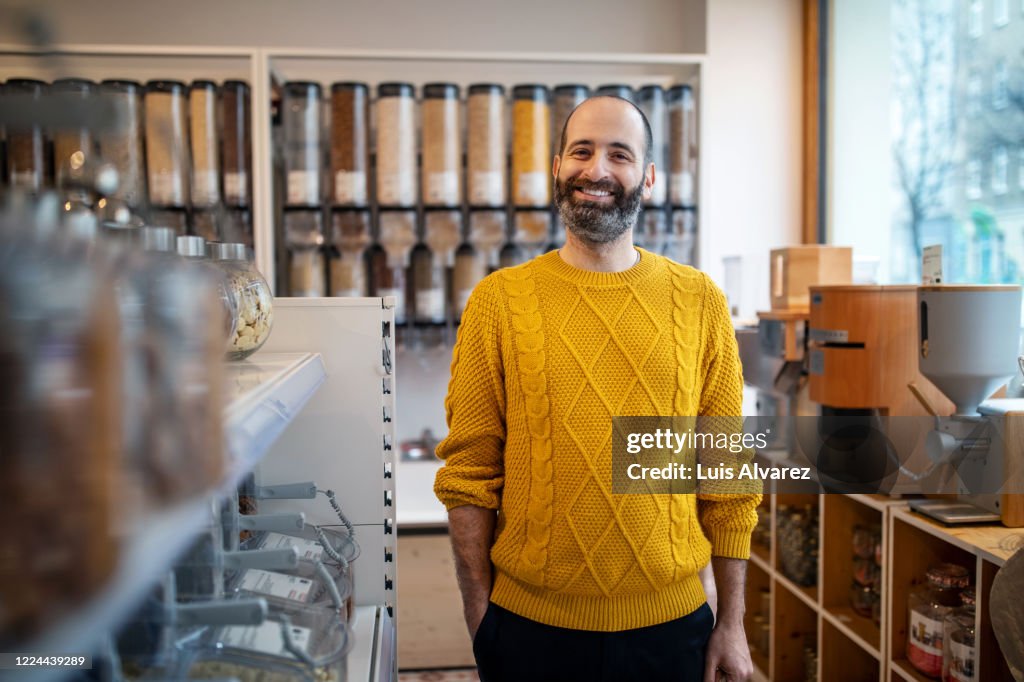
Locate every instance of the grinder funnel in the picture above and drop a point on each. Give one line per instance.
(968, 340)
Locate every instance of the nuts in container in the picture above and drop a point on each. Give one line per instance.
(253, 298)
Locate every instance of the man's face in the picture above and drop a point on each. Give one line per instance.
(600, 178)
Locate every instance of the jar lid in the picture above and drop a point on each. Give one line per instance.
(616, 90)
(968, 597)
(394, 89)
(572, 89)
(157, 239)
(191, 246)
(225, 251)
(679, 93)
(651, 91)
(948, 576)
(173, 87)
(342, 86)
(302, 88)
(120, 84)
(82, 85)
(530, 91)
(486, 89)
(440, 91)
(202, 85)
(235, 84)
(30, 85)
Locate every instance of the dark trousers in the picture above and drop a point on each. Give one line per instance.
(510, 648)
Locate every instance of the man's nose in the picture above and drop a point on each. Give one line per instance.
(595, 168)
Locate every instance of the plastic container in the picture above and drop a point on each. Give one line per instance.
(167, 156)
(653, 227)
(396, 145)
(26, 160)
(651, 100)
(566, 98)
(171, 217)
(428, 287)
(488, 232)
(350, 144)
(350, 238)
(309, 544)
(532, 231)
(470, 268)
(236, 226)
(387, 278)
(928, 605)
(531, 146)
(302, 145)
(74, 148)
(252, 297)
(441, 180)
(306, 271)
(959, 645)
(236, 148)
(202, 103)
(442, 232)
(122, 145)
(485, 146)
(511, 255)
(682, 140)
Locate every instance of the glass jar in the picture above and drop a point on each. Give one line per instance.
(959, 648)
(301, 127)
(682, 143)
(865, 539)
(26, 161)
(862, 599)
(798, 544)
(192, 250)
(442, 146)
(167, 159)
(616, 90)
(236, 149)
(485, 146)
(928, 605)
(566, 98)
(396, 145)
(488, 231)
(122, 144)
(252, 298)
(651, 100)
(73, 147)
(202, 103)
(350, 143)
(531, 146)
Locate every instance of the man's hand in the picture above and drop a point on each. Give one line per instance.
(472, 534)
(728, 655)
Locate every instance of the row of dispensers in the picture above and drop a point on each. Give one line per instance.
(926, 366)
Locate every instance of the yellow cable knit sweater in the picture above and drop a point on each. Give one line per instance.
(546, 355)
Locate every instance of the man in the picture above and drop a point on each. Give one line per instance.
(569, 582)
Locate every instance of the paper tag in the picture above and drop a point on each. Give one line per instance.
(236, 188)
(430, 305)
(682, 188)
(303, 188)
(443, 188)
(308, 549)
(487, 188)
(276, 585)
(350, 188)
(204, 188)
(265, 638)
(926, 633)
(532, 189)
(397, 189)
(166, 189)
(931, 264)
(961, 662)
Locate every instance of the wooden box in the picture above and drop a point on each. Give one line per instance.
(795, 268)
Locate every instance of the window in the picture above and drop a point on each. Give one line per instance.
(974, 95)
(973, 187)
(974, 18)
(1000, 85)
(1000, 13)
(1000, 170)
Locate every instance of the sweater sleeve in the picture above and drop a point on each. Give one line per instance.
(727, 509)
(473, 451)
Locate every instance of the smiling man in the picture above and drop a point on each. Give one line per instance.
(561, 579)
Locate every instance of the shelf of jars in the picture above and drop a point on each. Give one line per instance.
(414, 175)
(263, 393)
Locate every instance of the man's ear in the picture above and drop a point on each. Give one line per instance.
(648, 180)
(554, 166)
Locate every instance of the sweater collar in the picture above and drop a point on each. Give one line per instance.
(552, 262)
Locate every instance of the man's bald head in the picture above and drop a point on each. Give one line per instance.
(648, 135)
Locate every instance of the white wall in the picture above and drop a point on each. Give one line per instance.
(751, 160)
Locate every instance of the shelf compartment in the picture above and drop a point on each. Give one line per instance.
(918, 551)
(844, 660)
(902, 670)
(794, 626)
(759, 580)
(990, 660)
(807, 595)
(840, 515)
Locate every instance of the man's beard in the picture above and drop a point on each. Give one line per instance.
(596, 223)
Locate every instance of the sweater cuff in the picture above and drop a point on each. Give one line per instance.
(730, 544)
